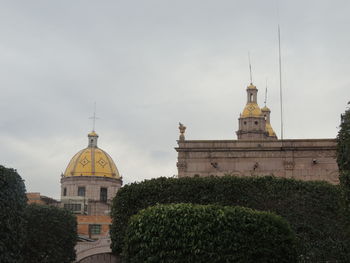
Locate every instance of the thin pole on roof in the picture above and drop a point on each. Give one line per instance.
(280, 75)
(250, 69)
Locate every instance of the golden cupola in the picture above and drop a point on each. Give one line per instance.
(266, 112)
(252, 108)
(254, 123)
(92, 161)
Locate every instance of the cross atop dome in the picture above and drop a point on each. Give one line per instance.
(94, 118)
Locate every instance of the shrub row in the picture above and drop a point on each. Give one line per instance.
(12, 204)
(343, 160)
(51, 234)
(32, 233)
(198, 233)
(312, 208)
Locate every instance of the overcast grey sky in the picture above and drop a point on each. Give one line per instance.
(150, 64)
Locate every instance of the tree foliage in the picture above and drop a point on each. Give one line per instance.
(12, 203)
(208, 233)
(51, 235)
(343, 150)
(312, 208)
(343, 160)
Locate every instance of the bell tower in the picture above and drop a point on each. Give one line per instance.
(270, 132)
(252, 123)
(252, 94)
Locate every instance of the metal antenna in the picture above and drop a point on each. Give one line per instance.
(280, 71)
(265, 93)
(94, 118)
(250, 69)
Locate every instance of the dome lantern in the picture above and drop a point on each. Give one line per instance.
(252, 92)
(93, 136)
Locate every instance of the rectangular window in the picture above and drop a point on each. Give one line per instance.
(64, 191)
(73, 207)
(81, 191)
(95, 229)
(103, 194)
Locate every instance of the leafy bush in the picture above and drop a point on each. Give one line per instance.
(12, 203)
(343, 138)
(198, 233)
(51, 235)
(343, 159)
(312, 208)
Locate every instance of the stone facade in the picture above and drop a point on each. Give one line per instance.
(92, 193)
(92, 184)
(310, 159)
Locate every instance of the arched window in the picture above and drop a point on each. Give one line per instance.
(251, 97)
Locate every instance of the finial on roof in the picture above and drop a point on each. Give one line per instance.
(182, 129)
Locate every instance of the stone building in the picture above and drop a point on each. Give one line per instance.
(88, 185)
(257, 151)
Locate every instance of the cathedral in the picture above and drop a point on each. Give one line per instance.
(257, 151)
(88, 186)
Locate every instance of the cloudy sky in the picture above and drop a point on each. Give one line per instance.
(150, 64)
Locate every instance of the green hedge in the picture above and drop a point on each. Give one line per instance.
(312, 208)
(343, 139)
(343, 159)
(51, 234)
(208, 233)
(12, 203)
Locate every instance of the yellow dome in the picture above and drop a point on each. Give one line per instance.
(93, 133)
(251, 86)
(265, 109)
(251, 110)
(92, 161)
(270, 130)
